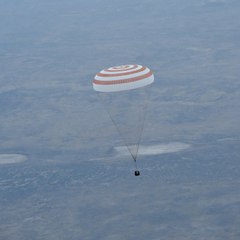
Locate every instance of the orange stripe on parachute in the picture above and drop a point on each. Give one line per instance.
(120, 74)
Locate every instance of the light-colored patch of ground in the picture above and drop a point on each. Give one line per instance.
(156, 149)
(12, 158)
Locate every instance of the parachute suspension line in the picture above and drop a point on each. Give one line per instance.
(123, 139)
(119, 132)
(135, 163)
(143, 124)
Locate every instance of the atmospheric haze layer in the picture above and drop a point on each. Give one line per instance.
(64, 173)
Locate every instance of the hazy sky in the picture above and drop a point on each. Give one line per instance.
(64, 173)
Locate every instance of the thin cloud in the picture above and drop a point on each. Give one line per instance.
(12, 158)
(156, 149)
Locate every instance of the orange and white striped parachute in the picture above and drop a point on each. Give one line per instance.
(124, 90)
(120, 78)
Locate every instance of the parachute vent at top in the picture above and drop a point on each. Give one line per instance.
(124, 77)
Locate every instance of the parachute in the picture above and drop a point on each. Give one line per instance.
(124, 91)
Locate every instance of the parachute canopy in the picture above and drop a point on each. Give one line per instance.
(120, 78)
